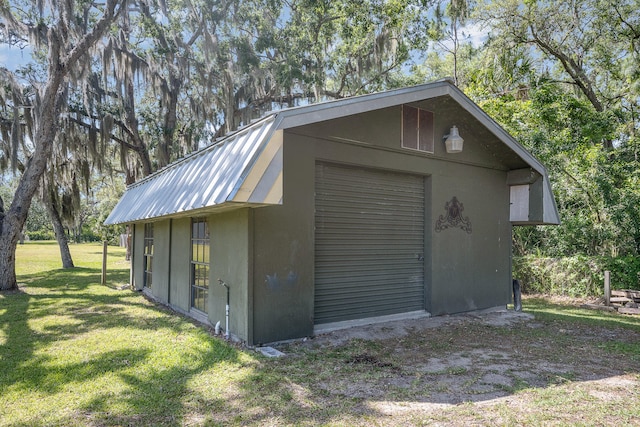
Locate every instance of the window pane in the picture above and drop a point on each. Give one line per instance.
(199, 263)
(194, 297)
(409, 127)
(205, 257)
(148, 254)
(425, 131)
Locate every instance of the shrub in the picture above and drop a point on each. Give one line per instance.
(576, 276)
(41, 235)
(89, 236)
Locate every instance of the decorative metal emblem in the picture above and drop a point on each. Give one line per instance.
(453, 218)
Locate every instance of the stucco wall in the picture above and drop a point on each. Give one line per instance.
(283, 253)
(231, 240)
(137, 260)
(161, 253)
(471, 271)
(463, 271)
(180, 263)
(231, 235)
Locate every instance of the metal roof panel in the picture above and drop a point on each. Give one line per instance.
(203, 179)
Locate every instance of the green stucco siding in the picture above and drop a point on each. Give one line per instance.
(180, 263)
(463, 271)
(471, 266)
(283, 254)
(231, 239)
(161, 254)
(137, 261)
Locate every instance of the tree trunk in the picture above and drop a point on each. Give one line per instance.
(8, 264)
(7, 254)
(58, 229)
(15, 218)
(132, 124)
(127, 243)
(47, 112)
(170, 120)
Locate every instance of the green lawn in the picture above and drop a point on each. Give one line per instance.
(75, 353)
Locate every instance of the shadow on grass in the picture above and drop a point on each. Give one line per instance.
(312, 386)
(545, 310)
(161, 395)
(77, 278)
(40, 242)
(51, 333)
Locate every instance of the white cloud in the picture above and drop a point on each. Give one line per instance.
(475, 34)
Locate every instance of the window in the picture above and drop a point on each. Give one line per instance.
(519, 201)
(417, 129)
(199, 264)
(148, 255)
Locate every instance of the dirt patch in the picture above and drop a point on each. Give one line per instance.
(400, 328)
(421, 367)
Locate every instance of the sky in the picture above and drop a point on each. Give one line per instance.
(12, 57)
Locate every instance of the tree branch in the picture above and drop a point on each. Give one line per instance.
(98, 31)
(571, 67)
(111, 136)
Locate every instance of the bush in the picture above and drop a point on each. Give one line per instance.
(89, 236)
(41, 235)
(576, 276)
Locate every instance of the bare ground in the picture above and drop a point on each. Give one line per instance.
(477, 369)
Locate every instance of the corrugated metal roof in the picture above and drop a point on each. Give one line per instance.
(204, 179)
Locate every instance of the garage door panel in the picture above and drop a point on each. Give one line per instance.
(369, 243)
(371, 292)
(348, 311)
(363, 279)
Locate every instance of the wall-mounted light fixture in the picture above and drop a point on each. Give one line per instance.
(453, 141)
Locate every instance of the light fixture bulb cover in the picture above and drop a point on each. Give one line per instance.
(454, 141)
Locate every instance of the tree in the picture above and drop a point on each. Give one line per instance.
(446, 29)
(175, 72)
(562, 77)
(591, 44)
(70, 32)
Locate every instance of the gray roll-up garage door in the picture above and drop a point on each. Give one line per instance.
(369, 243)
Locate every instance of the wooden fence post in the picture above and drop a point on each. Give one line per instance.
(517, 295)
(104, 262)
(607, 288)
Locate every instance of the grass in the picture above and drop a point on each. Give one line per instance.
(75, 353)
